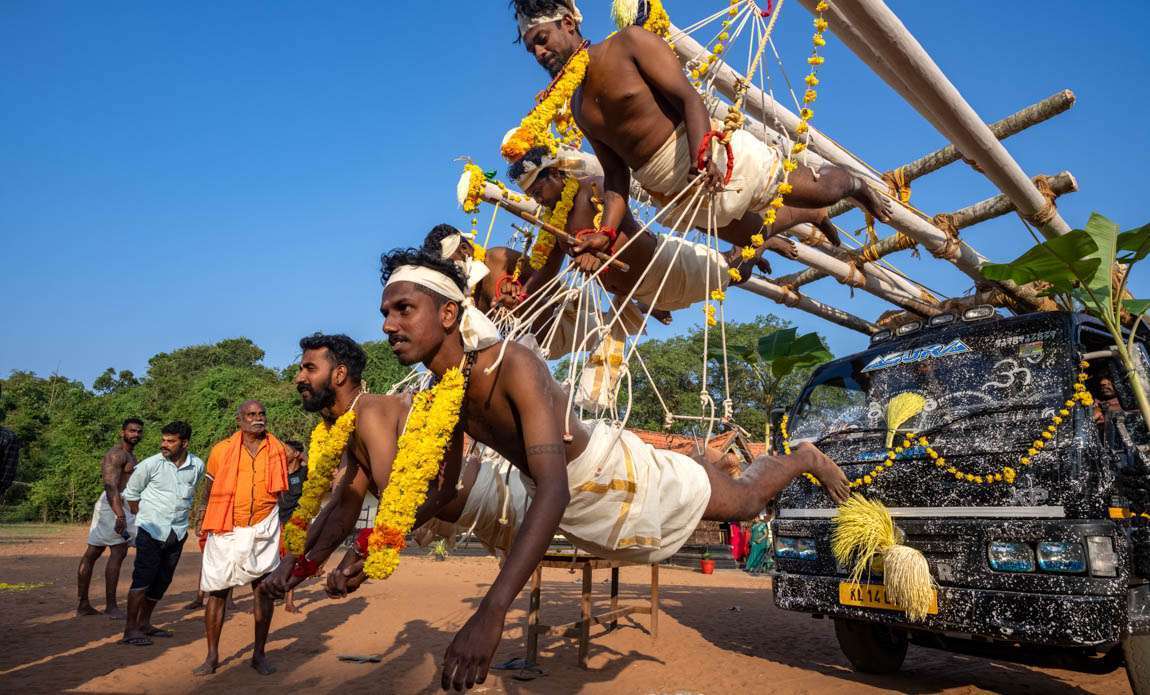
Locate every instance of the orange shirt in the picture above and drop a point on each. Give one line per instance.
(252, 502)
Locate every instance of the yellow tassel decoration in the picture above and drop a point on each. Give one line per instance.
(863, 533)
(901, 408)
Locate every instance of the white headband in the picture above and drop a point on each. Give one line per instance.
(526, 23)
(448, 245)
(477, 330)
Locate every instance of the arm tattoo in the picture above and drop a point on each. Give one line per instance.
(539, 449)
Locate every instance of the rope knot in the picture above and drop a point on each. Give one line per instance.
(951, 247)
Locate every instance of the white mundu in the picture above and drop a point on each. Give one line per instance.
(241, 555)
(102, 531)
(755, 177)
(629, 501)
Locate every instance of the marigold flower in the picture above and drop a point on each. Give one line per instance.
(821, 24)
(785, 188)
(734, 274)
(747, 253)
(757, 240)
(818, 40)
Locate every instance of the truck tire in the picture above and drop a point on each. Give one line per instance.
(1136, 649)
(871, 647)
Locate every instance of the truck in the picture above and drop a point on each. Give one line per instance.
(1053, 563)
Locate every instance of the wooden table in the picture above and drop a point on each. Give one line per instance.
(535, 628)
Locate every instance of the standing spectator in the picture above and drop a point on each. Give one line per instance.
(159, 493)
(297, 475)
(760, 556)
(112, 526)
(246, 474)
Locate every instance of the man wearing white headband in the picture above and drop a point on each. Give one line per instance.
(610, 493)
(641, 115)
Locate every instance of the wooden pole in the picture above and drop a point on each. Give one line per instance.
(849, 274)
(786, 297)
(812, 236)
(981, 211)
(940, 102)
(1013, 124)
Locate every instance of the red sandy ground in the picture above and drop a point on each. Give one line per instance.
(717, 634)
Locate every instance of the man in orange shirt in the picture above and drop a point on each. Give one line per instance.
(247, 473)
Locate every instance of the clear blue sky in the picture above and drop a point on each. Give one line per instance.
(178, 173)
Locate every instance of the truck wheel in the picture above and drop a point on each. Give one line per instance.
(871, 647)
(1136, 649)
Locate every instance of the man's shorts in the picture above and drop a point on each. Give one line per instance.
(155, 563)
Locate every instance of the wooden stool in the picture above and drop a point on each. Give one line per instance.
(535, 628)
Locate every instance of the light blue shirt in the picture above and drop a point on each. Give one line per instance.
(165, 494)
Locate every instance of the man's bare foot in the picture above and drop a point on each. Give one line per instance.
(782, 246)
(205, 669)
(829, 230)
(874, 202)
(662, 316)
(194, 605)
(115, 613)
(86, 608)
(291, 608)
(261, 665)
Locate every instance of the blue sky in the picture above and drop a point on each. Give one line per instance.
(178, 173)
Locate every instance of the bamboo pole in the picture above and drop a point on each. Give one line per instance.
(812, 236)
(937, 99)
(984, 210)
(1013, 124)
(781, 295)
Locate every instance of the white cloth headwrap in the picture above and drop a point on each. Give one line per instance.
(473, 270)
(577, 163)
(526, 23)
(477, 330)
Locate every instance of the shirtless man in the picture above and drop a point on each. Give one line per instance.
(543, 176)
(641, 115)
(518, 410)
(113, 526)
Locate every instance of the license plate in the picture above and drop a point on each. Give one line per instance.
(874, 596)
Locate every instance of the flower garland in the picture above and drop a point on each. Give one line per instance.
(475, 186)
(325, 449)
(534, 129)
(545, 241)
(1007, 474)
(419, 456)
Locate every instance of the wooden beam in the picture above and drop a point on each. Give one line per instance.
(1013, 124)
(797, 300)
(981, 211)
(937, 99)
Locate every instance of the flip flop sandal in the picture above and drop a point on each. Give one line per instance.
(137, 641)
(511, 665)
(529, 673)
(159, 632)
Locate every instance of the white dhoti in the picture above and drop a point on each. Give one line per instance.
(755, 177)
(102, 532)
(681, 274)
(494, 509)
(629, 501)
(241, 555)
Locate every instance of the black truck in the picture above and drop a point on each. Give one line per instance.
(1057, 563)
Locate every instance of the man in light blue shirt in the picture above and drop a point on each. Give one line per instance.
(160, 494)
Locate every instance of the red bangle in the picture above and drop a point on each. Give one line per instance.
(610, 232)
(361, 540)
(304, 567)
(704, 148)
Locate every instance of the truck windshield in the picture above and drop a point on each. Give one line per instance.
(1026, 373)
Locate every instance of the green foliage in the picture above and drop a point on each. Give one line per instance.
(66, 429)
(783, 351)
(675, 365)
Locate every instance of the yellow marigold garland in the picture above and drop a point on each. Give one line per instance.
(1007, 474)
(545, 241)
(534, 129)
(475, 185)
(419, 454)
(324, 452)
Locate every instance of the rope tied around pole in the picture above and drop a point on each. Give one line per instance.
(1049, 209)
(791, 296)
(898, 184)
(952, 246)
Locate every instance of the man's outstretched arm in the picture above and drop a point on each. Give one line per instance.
(469, 655)
(616, 184)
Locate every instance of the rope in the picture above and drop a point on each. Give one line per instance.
(898, 184)
(952, 247)
(1049, 209)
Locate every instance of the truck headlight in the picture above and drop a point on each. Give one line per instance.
(1103, 559)
(795, 548)
(1061, 556)
(1010, 557)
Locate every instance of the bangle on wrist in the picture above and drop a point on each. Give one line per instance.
(304, 567)
(361, 540)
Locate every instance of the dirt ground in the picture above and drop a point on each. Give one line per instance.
(717, 634)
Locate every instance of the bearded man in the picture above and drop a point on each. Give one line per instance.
(641, 115)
